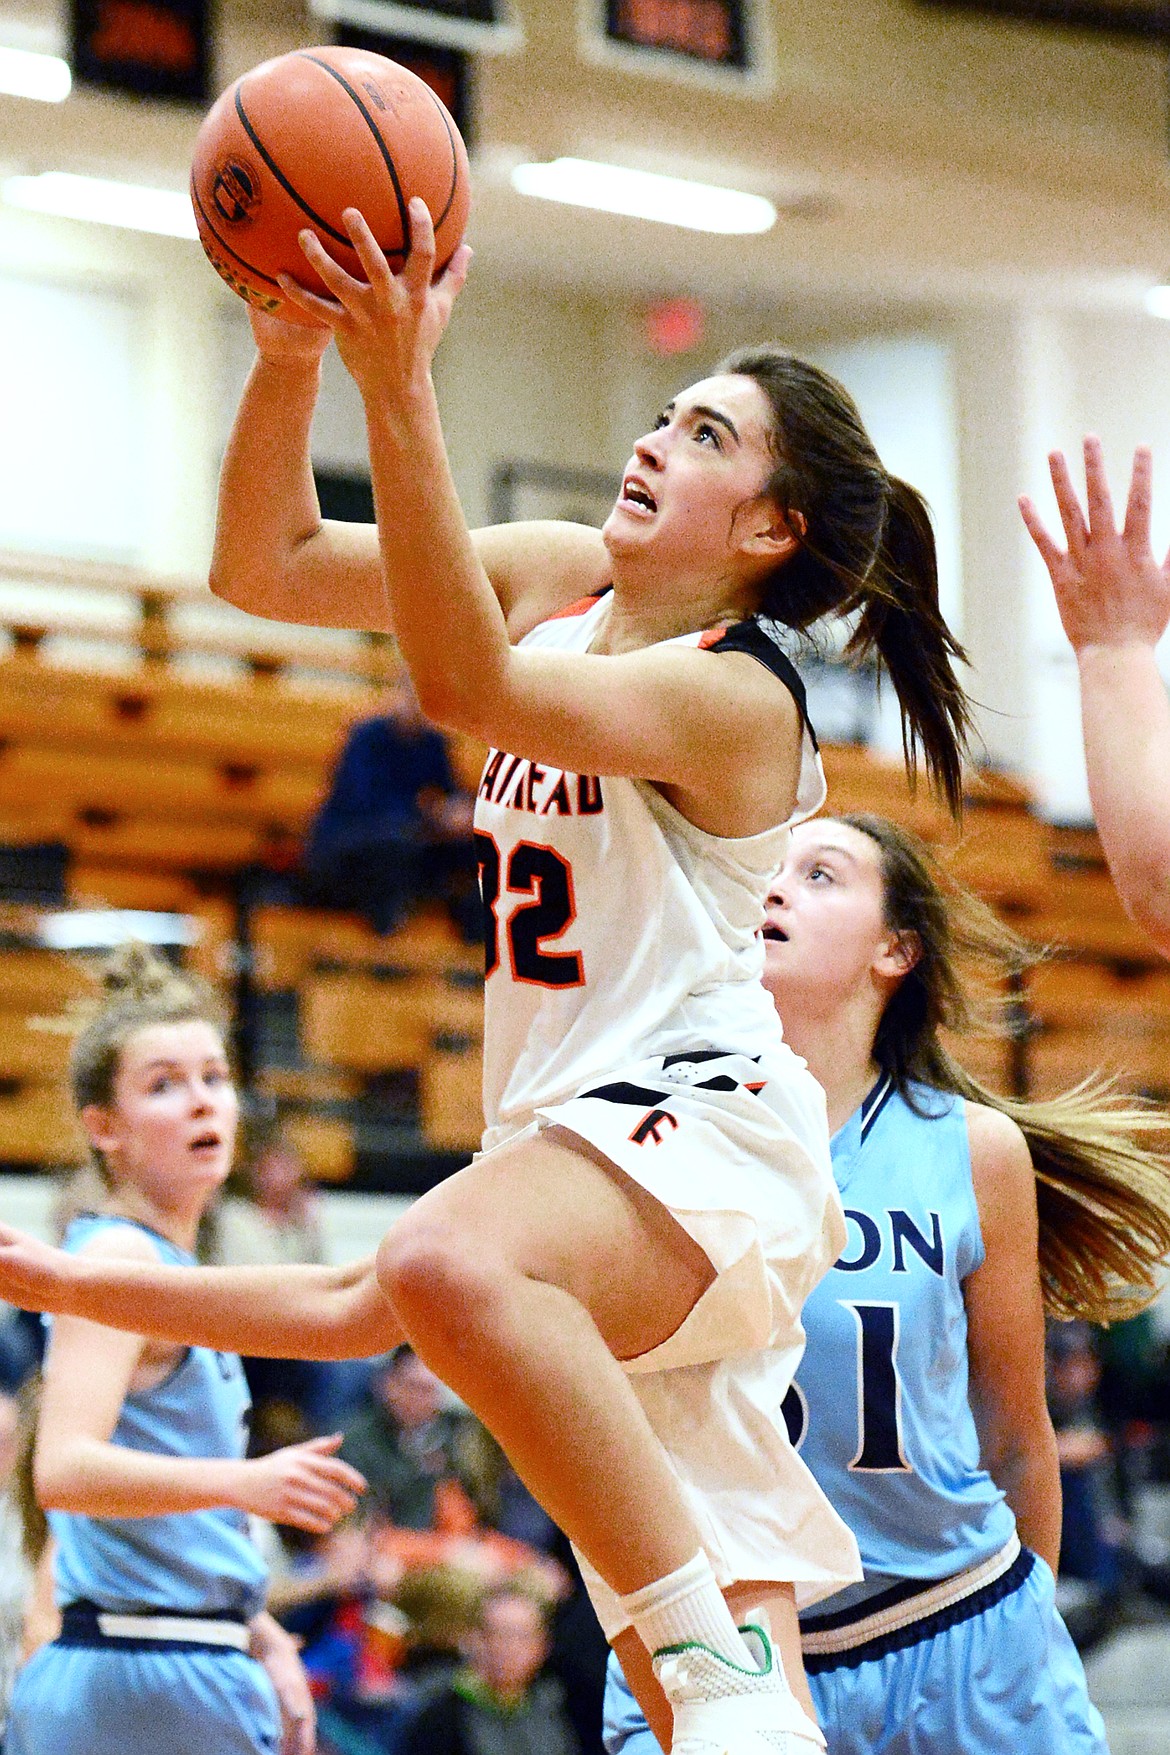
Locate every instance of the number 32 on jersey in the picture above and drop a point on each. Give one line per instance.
(546, 878)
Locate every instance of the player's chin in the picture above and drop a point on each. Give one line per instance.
(626, 530)
(774, 949)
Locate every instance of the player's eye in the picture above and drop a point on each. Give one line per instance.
(819, 871)
(705, 431)
(662, 421)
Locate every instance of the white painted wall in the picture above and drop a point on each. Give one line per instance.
(123, 359)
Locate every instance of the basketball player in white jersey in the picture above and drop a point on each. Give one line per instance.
(614, 1285)
(1114, 601)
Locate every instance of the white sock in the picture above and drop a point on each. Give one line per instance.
(687, 1608)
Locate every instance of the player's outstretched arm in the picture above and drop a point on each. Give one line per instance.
(265, 1312)
(1114, 602)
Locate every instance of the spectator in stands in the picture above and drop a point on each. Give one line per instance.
(271, 1216)
(498, 1700)
(1090, 1528)
(332, 1593)
(395, 827)
(271, 1213)
(409, 1437)
(19, 1352)
(1114, 602)
(441, 1486)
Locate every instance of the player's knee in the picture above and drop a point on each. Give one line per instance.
(431, 1275)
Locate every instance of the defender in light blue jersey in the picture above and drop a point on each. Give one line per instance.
(164, 1644)
(919, 1404)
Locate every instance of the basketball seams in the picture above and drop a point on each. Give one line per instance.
(446, 120)
(221, 240)
(338, 237)
(387, 158)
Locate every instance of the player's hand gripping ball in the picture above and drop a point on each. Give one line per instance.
(299, 139)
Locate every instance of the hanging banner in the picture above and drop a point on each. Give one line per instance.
(714, 32)
(448, 72)
(152, 48)
(447, 24)
(1141, 18)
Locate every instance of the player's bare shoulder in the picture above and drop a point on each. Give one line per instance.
(539, 568)
(1001, 1167)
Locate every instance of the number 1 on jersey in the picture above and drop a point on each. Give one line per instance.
(535, 871)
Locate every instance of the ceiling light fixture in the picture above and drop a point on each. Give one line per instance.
(99, 199)
(1157, 301)
(45, 77)
(698, 207)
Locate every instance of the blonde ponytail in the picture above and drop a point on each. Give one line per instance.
(1100, 1155)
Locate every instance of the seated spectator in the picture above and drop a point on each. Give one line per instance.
(332, 1592)
(497, 1700)
(437, 1482)
(20, 1351)
(1091, 1549)
(409, 1439)
(395, 827)
(270, 1216)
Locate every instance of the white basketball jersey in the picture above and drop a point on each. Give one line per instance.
(616, 929)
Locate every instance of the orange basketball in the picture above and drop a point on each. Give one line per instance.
(299, 139)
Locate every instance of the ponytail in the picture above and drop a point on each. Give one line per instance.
(1102, 1193)
(866, 550)
(903, 623)
(34, 1525)
(1100, 1156)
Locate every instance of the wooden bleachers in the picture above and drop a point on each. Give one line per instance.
(163, 782)
(371, 1005)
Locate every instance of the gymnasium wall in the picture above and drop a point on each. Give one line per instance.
(975, 276)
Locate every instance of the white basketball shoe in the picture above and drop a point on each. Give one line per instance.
(720, 1709)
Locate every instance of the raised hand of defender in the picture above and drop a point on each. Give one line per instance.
(1110, 589)
(388, 326)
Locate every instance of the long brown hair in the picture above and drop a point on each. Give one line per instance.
(34, 1525)
(866, 550)
(1102, 1190)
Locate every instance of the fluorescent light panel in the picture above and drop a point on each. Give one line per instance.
(698, 207)
(101, 929)
(99, 199)
(1158, 301)
(26, 75)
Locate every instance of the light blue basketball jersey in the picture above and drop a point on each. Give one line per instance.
(880, 1406)
(192, 1561)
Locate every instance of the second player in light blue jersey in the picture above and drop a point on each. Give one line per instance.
(164, 1646)
(919, 1404)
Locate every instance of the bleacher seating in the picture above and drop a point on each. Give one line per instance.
(163, 780)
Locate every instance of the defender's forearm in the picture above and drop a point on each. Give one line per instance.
(265, 1312)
